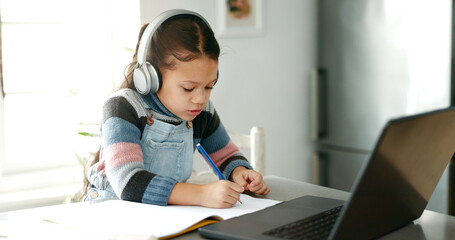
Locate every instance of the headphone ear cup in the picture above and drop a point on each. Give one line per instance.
(147, 79)
(155, 78)
(141, 79)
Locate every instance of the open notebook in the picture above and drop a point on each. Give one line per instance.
(118, 219)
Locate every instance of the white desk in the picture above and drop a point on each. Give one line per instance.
(431, 225)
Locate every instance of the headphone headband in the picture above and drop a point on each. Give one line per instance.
(155, 24)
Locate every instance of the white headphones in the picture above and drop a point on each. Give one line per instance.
(146, 78)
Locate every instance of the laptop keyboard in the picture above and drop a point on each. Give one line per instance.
(315, 227)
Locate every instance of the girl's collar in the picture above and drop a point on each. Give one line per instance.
(155, 105)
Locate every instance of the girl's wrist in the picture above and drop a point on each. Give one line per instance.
(236, 171)
(186, 194)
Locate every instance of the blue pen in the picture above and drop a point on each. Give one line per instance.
(211, 163)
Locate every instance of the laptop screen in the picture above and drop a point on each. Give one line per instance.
(397, 182)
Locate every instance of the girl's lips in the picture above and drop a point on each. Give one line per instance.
(194, 112)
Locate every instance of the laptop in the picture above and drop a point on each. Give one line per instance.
(391, 190)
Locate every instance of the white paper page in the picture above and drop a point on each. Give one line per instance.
(124, 218)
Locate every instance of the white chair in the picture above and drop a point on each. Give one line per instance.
(254, 142)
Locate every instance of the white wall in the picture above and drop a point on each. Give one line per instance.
(2, 135)
(264, 80)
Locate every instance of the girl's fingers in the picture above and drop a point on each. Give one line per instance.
(261, 188)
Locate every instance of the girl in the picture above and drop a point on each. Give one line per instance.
(149, 138)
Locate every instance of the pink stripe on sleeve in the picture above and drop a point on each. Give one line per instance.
(223, 154)
(100, 164)
(122, 153)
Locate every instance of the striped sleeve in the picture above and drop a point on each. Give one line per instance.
(124, 120)
(216, 141)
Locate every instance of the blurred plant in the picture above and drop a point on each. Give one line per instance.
(84, 161)
(89, 134)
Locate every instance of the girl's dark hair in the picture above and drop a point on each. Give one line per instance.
(185, 38)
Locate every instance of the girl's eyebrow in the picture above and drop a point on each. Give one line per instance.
(195, 82)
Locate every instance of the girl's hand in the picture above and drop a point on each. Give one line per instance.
(250, 180)
(220, 194)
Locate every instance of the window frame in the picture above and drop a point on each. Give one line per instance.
(18, 177)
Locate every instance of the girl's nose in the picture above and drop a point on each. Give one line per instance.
(200, 96)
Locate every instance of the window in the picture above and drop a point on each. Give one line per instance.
(60, 59)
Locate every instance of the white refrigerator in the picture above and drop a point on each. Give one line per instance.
(378, 60)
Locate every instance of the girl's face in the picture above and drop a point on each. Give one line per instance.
(186, 88)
